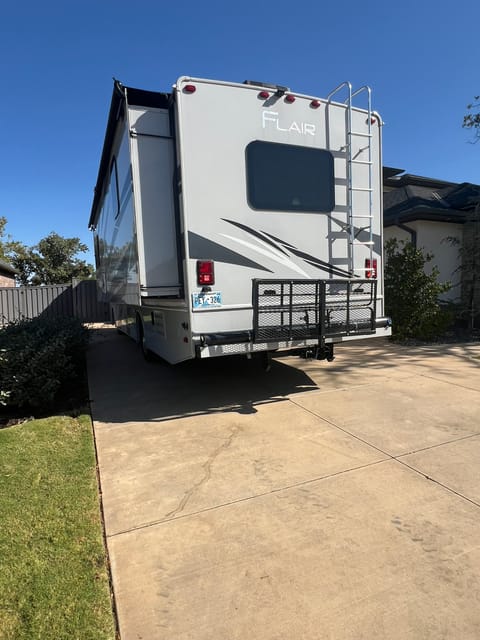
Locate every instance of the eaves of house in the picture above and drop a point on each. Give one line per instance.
(7, 269)
(408, 198)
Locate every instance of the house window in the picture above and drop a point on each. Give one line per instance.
(284, 177)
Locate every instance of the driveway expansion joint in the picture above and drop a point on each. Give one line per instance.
(437, 482)
(162, 521)
(440, 444)
(450, 382)
(397, 458)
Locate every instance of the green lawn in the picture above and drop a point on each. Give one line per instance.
(53, 575)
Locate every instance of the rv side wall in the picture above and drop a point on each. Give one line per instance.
(115, 240)
(152, 151)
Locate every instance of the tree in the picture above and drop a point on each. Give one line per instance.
(11, 251)
(472, 119)
(3, 240)
(469, 250)
(52, 261)
(411, 294)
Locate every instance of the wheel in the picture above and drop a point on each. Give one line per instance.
(264, 358)
(147, 354)
(114, 322)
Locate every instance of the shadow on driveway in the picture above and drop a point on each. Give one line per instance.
(125, 388)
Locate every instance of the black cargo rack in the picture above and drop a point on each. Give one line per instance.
(289, 310)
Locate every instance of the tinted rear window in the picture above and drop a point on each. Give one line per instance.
(284, 177)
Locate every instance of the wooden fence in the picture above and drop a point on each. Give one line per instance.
(78, 299)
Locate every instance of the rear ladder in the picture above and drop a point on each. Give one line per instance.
(358, 220)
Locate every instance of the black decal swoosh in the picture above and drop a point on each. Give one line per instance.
(256, 234)
(275, 242)
(315, 262)
(200, 247)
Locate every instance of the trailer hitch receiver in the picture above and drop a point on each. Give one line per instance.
(319, 352)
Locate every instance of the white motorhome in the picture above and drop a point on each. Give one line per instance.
(235, 218)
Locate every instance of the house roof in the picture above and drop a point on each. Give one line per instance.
(398, 178)
(410, 197)
(7, 268)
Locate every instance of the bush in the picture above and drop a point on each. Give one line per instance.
(411, 295)
(40, 361)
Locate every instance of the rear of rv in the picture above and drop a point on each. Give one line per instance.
(280, 210)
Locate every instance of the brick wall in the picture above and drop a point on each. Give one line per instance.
(6, 281)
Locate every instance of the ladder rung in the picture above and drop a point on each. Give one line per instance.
(361, 161)
(360, 189)
(361, 216)
(364, 244)
(359, 133)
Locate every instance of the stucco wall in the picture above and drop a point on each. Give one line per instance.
(396, 232)
(433, 237)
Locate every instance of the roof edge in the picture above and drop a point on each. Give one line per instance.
(118, 98)
(4, 266)
(121, 96)
(424, 213)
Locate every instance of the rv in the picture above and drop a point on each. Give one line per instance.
(240, 218)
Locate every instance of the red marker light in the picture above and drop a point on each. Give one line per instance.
(289, 98)
(189, 88)
(205, 273)
(370, 268)
(315, 104)
(263, 95)
(373, 120)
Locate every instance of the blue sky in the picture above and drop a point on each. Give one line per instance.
(57, 60)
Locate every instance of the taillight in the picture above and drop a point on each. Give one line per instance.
(370, 268)
(205, 273)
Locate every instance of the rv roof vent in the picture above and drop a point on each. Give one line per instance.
(278, 88)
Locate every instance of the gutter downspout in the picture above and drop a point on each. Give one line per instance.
(412, 232)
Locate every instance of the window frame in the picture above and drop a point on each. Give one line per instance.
(114, 171)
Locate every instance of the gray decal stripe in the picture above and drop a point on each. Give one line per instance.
(315, 262)
(256, 234)
(202, 248)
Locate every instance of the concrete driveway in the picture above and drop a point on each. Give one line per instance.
(319, 500)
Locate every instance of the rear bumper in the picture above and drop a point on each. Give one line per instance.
(291, 314)
(242, 342)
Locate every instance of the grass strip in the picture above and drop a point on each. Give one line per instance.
(53, 572)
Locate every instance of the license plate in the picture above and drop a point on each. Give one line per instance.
(207, 300)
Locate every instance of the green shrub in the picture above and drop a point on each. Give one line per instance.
(411, 294)
(40, 361)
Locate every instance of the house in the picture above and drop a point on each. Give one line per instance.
(435, 215)
(7, 275)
